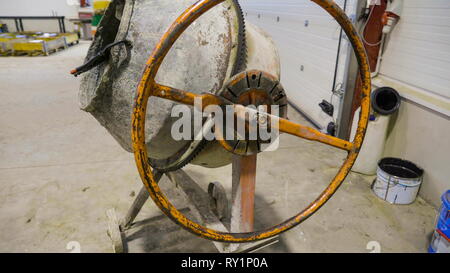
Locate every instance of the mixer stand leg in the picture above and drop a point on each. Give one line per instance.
(243, 203)
(116, 227)
(242, 207)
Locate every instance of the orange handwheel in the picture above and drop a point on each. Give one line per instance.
(148, 87)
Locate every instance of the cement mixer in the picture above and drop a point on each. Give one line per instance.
(148, 56)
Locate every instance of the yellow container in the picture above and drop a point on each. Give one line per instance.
(40, 46)
(101, 5)
(70, 37)
(7, 40)
(30, 46)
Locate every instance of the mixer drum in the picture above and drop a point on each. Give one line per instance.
(206, 56)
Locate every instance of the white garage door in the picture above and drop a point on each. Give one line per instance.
(307, 39)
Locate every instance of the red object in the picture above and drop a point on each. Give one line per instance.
(372, 34)
(85, 15)
(386, 15)
(443, 235)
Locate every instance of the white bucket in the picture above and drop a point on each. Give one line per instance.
(398, 181)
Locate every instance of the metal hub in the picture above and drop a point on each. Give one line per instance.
(253, 88)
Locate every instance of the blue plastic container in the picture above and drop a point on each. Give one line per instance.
(441, 238)
(444, 214)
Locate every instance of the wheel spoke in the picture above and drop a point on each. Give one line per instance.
(293, 128)
(185, 97)
(173, 94)
(308, 133)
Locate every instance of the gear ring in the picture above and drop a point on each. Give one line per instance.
(255, 88)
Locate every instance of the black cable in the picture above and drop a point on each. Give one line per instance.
(99, 58)
(338, 54)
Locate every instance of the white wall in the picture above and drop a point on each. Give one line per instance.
(422, 136)
(418, 52)
(38, 8)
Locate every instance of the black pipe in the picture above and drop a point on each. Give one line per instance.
(63, 25)
(17, 25)
(385, 101)
(338, 54)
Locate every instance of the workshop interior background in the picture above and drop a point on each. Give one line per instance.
(66, 171)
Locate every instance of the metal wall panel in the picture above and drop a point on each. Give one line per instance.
(307, 39)
(418, 51)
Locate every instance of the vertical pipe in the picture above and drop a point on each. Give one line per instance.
(63, 25)
(21, 24)
(17, 24)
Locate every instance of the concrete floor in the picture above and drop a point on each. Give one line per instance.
(60, 171)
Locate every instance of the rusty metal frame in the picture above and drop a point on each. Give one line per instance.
(148, 87)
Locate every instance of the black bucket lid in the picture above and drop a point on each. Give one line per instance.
(400, 168)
